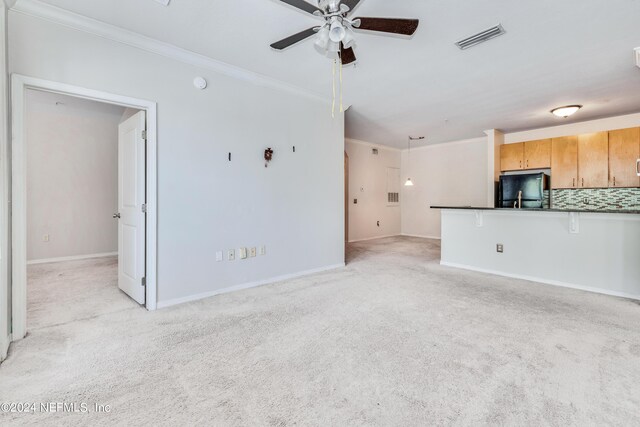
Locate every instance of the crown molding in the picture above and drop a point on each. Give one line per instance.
(38, 9)
(371, 144)
(447, 144)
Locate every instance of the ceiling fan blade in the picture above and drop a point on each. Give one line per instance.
(303, 5)
(351, 4)
(389, 25)
(347, 55)
(291, 40)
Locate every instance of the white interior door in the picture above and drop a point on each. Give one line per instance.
(131, 207)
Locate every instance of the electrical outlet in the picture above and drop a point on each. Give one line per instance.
(500, 248)
(45, 238)
(243, 253)
(263, 250)
(219, 256)
(231, 255)
(252, 252)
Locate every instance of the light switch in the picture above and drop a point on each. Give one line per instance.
(243, 253)
(219, 256)
(45, 238)
(263, 250)
(252, 252)
(231, 255)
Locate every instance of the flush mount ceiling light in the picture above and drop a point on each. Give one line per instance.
(566, 111)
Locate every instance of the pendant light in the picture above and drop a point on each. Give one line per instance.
(409, 183)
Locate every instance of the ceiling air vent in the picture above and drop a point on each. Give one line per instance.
(481, 37)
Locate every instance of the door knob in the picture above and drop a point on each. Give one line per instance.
(116, 215)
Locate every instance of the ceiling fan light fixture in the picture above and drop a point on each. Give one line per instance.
(566, 111)
(349, 38)
(333, 49)
(322, 38)
(337, 32)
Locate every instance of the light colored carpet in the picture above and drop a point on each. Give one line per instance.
(62, 292)
(392, 339)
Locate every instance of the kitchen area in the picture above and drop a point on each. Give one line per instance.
(566, 213)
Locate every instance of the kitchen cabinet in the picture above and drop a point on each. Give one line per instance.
(593, 160)
(624, 152)
(564, 162)
(511, 157)
(526, 155)
(537, 154)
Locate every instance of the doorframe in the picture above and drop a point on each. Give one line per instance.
(19, 86)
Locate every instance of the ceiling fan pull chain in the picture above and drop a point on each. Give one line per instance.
(333, 105)
(341, 109)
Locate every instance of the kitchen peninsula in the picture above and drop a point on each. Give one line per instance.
(579, 225)
(589, 250)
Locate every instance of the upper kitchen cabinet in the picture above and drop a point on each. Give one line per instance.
(564, 162)
(526, 155)
(511, 157)
(593, 160)
(624, 152)
(537, 154)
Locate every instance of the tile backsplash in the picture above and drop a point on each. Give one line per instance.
(596, 199)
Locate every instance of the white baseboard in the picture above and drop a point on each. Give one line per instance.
(422, 236)
(71, 258)
(373, 238)
(544, 281)
(176, 301)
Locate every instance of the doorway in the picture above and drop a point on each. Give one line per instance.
(346, 203)
(136, 191)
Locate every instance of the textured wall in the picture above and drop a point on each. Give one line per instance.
(206, 203)
(368, 184)
(451, 174)
(72, 176)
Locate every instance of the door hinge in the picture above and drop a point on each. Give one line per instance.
(144, 208)
(144, 135)
(144, 281)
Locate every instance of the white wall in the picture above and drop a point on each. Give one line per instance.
(368, 184)
(72, 176)
(295, 207)
(5, 271)
(538, 246)
(453, 173)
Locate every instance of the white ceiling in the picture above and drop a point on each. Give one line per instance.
(554, 53)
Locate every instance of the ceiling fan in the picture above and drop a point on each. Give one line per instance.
(335, 37)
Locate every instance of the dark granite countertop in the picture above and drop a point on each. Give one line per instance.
(474, 208)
